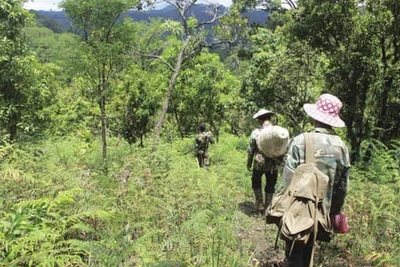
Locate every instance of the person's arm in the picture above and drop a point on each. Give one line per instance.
(210, 137)
(279, 160)
(341, 182)
(251, 151)
(195, 145)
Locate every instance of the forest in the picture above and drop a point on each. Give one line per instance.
(98, 121)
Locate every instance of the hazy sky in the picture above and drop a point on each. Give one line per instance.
(53, 4)
(42, 4)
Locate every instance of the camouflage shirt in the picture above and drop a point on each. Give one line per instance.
(331, 157)
(254, 154)
(202, 141)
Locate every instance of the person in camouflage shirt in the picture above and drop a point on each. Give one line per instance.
(261, 164)
(201, 143)
(331, 157)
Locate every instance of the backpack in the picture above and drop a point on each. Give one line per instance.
(272, 141)
(299, 211)
(271, 144)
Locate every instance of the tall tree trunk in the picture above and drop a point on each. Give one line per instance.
(384, 94)
(181, 130)
(167, 100)
(356, 102)
(12, 126)
(103, 116)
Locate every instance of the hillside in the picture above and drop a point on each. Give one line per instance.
(199, 11)
(164, 213)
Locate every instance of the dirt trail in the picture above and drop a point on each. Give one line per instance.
(262, 236)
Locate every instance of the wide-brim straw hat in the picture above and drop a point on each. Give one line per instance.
(262, 112)
(326, 110)
(272, 141)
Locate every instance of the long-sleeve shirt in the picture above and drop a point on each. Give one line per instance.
(331, 157)
(202, 141)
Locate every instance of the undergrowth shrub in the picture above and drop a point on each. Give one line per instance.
(161, 209)
(380, 162)
(189, 210)
(49, 232)
(52, 212)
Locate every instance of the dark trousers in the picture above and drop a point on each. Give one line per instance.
(271, 177)
(300, 254)
(202, 160)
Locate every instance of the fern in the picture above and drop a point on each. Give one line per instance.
(66, 211)
(382, 164)
(42, 232)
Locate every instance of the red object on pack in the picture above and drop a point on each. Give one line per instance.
(340, 224)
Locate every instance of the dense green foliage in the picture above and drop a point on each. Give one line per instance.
(25, 85)
(345, 48)
(82, 184)
(65, 211)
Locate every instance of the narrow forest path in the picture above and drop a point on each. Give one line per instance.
(261, 236)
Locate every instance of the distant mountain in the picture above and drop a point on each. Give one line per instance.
(51, 23)
(199, 11)
(256, 16)
(58, 16)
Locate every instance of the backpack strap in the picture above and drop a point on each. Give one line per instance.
(308, 147)
(309, 158)
(277, 234)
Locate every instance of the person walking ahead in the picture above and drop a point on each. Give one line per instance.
(261, 164)
(201, 143)
(331, 157)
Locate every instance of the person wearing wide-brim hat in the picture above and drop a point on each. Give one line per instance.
(261, 165)
(331, 157)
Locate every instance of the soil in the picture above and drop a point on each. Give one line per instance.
(262, 237)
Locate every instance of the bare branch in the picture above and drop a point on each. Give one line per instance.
(182, 6)
(153, 56)
(215, 17)
(205, 44)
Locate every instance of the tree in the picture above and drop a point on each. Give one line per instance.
(194, 38)
(137, 100)
(385, 25)
(284, 74)
(362, 47)
(205, 92)
(340, 30)
(98, 23)
(331, 46)
(24, 89)
(58, 54)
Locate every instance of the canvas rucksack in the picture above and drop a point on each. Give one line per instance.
(272, 141)
(299, 210)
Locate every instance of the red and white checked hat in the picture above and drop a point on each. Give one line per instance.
(326, 110)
